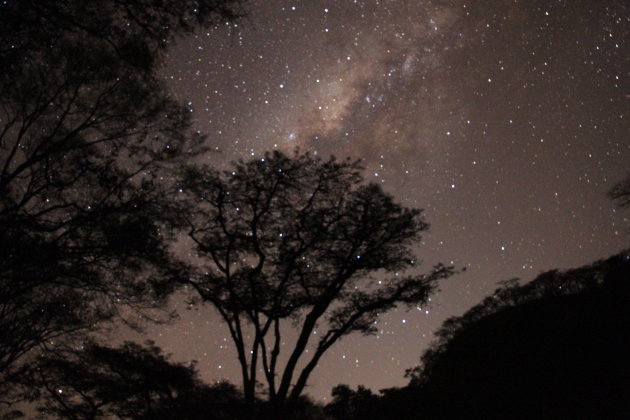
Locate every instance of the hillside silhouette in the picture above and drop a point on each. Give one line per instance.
(556, 347)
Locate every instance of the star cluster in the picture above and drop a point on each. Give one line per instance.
(505, 120)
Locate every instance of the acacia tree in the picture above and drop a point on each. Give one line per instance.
(303, 241)
(86, 127)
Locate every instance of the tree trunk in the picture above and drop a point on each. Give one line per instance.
(309, 324)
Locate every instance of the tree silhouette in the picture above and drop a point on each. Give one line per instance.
(131, 382)
(353, 405)
(303, 241)
(552, 348)
(86, 127)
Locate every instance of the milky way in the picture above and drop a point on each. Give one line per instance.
(505, 120)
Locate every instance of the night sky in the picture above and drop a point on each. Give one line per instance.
(505, 120)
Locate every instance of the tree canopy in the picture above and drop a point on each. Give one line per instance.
(86, 128)
(555, 347)
(130, 381)
(302, 241)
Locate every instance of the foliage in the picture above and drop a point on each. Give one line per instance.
(353, 405)
(304, 241)
(612, 273)
(129, 382)
(86, 128)
(551, 348)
